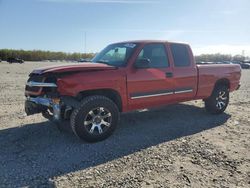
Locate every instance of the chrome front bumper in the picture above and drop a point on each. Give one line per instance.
(34, 105)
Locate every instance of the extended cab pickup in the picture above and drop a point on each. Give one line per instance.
(124, 77)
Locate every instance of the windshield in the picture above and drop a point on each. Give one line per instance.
(115, 54)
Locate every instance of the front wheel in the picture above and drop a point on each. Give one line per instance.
(95, 119)
(218, 101)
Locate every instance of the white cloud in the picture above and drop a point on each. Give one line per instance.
(223, 49)
(228, 12)
(104, 1)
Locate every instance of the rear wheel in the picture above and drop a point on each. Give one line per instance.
(95, 119)
(218, 101)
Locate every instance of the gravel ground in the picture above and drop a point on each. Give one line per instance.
(175, 146)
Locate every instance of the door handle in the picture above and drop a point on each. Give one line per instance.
(169, 74)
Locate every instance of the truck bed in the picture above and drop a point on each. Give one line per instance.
(209, 74)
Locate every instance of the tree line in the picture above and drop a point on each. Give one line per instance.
(39, 55)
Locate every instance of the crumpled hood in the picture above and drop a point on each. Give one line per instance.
(75, 67)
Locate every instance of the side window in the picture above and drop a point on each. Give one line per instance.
(180, 55)
(156, 53)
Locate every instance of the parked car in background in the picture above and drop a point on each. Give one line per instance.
(200, 62)
(205, 63)
(15, 60)
(236, 62)
(242, 64)
(245, 65)
(246, 61)
(225, 62)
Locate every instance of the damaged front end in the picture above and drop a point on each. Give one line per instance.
(50, 91)
(42, 97)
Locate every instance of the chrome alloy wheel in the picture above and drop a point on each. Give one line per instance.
(221, 100)
(98, 120)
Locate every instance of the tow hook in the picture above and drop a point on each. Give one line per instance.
(56, 109)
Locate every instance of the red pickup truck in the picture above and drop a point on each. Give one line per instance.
(123, 77)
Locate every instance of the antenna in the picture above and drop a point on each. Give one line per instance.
(85, 43)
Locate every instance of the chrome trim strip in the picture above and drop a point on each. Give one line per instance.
(184, 91)
(40, 84)
(163, 94)
(154, 95)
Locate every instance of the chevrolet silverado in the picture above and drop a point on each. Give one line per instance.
(123, 77)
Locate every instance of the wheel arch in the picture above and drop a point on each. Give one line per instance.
(109, 93)
(222, 82)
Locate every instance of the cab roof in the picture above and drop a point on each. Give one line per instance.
(150, 41)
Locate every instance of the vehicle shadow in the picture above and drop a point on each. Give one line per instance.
(33, 154)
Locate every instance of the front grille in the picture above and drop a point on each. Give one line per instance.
(34, 78)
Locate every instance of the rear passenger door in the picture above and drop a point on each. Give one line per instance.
(184, 71)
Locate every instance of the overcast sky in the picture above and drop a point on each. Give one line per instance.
(209, 26)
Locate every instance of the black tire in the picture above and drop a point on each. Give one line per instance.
(95, 119)
(218, 101)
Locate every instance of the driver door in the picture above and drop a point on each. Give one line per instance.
(151, 85)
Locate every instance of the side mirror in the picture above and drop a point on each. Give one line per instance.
(142, 63)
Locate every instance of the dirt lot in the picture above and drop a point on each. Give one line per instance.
(175, 146)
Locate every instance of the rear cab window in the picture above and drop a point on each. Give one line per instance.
(180, 55)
